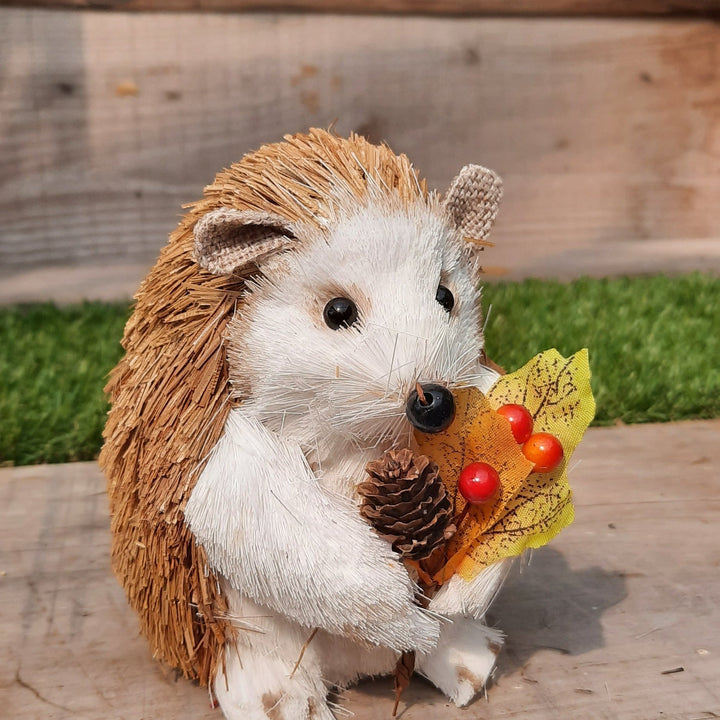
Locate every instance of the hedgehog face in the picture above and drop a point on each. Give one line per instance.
(334, 337)
(356, 301)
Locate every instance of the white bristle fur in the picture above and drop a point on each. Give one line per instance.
(275, 507)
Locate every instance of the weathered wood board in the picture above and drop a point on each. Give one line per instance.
(622, 8)
(618, 619)
(607, 132)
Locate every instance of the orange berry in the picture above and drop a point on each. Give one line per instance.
(544, 450)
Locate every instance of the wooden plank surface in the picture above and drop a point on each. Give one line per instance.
(618, 8)
(599, 622)
(606, 132)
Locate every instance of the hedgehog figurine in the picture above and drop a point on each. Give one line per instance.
(270, 356)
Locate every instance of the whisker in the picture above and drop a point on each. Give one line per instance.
(487, 317)
(392, 361)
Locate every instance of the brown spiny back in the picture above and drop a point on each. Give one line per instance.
(170, 394)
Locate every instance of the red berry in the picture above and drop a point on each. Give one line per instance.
(544, 450)
(478, 482)
(521, 421)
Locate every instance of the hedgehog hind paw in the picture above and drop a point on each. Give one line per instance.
(260, 687)
(464, 660)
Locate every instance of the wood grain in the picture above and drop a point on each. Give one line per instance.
(618, 8)
(607, 132)
(626, 593)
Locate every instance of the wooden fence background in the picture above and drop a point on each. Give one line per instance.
(537, 8)
(606, 131)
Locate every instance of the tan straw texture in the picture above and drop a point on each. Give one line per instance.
(170, 394)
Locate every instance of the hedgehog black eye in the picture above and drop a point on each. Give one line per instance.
(445, 298)
(339, 313)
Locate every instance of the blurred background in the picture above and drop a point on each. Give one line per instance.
(603, 118)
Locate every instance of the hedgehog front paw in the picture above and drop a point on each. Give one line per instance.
(463, 660)
(417, 630)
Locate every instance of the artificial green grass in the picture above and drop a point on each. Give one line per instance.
(53, 366)
(654, 351)
(654, 342)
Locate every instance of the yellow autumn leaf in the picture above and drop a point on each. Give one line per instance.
(531, 508)
(556, 391)
(477, 434)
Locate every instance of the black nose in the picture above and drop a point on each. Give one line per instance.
(432, 410)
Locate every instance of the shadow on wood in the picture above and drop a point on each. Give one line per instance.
(547, 605)
(624, 595)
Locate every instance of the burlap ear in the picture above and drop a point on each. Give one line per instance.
(472, 201)
(228, 240)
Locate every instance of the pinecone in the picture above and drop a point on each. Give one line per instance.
(406, 502)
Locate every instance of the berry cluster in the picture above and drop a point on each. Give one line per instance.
(479, 481)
